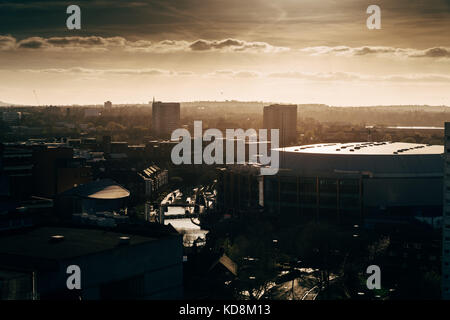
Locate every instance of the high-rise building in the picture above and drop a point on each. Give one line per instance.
(284, 118)
(165, 118)
(446, 218)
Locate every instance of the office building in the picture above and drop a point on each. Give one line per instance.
(165, 118)
(284, 118)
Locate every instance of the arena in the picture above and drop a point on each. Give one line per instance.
(367, 183)
(373, 182)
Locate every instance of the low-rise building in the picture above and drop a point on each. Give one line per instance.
(153, 179)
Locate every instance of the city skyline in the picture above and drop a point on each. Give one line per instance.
(287, 52)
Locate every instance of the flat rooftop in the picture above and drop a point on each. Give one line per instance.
(77, 242)
(368, 148)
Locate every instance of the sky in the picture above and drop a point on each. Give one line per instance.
(293, 51)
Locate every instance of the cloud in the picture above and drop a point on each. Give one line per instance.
(235, 46)
(234, 74)
(32, 43)
(319, 76)
(437, 52)
(7, 42)
(322, 77)
(99, 72)
(106, 44)
(96, 43)
(351, 76)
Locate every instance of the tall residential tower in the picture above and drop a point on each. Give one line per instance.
(284, 118)
(165, 118)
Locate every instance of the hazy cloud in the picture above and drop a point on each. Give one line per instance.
(99, 72)
(351, 76)
(299, 75)
(7, 42)
(437, 52)
(234, 45)
(96, 43)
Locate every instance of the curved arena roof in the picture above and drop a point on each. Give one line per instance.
(105, 189)
(375, 158)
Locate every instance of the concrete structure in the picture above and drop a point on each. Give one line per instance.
(446, 217)
(125, 263)
(165, 118)
(284, 118)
